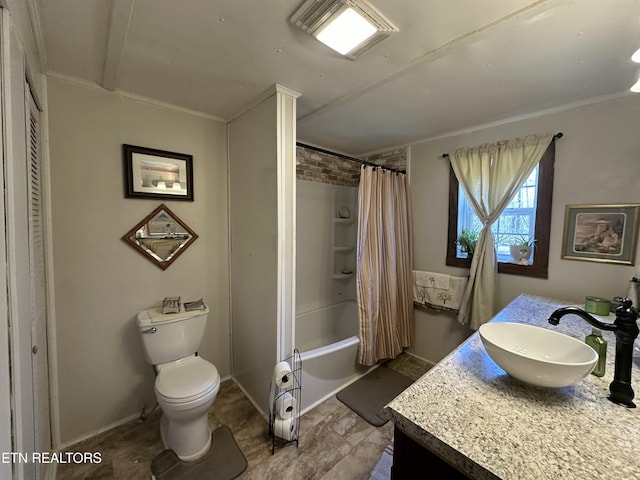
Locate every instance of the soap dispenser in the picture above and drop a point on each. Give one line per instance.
(599, 344)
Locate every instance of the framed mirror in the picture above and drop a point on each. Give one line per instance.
(160, 237)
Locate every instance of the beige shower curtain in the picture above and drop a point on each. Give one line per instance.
(384, 250)
(490, 176)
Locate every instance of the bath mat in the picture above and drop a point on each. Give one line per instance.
(224, 461)
(368, 396)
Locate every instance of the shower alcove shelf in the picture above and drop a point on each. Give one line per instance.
(344, 249)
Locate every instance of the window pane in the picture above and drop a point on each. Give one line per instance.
(516, 224)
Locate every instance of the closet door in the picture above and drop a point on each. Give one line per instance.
(19, 292)
(38, 279)
(23, 267)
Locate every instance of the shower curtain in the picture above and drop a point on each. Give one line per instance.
(384, 262)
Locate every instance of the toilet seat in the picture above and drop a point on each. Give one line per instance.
(186, 380)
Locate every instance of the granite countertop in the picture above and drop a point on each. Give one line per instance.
(488, 425)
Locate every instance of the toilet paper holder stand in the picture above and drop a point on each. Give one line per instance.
(284, 406)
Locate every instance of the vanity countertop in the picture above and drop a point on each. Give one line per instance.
(488, 425)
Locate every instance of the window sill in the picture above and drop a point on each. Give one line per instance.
(535, 271)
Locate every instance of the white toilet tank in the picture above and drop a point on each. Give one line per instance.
(166, 338)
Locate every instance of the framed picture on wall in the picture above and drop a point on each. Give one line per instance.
(157, 174)
(601, 233)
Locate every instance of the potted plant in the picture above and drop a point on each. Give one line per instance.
(467, 241)
(521, 250)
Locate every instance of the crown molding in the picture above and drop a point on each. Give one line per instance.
(132, 96)
(266, 94)
(507, 120)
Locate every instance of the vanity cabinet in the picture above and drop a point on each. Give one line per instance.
(410, 457)
(467, 415)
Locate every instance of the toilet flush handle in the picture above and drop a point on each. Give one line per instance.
(150, 330)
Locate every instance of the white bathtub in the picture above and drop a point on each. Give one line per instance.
(327, 339)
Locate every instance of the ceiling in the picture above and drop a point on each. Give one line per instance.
(453, 65)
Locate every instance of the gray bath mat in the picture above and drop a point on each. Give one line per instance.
(371, 393)
(224, 461)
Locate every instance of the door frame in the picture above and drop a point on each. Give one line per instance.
(6, 444)
(17, 401)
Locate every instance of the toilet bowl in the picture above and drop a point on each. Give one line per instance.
(186, 385)
(185, 391)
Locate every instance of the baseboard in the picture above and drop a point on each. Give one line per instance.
(115, 424)
(420, 358)
(99, 431)
(246, 394)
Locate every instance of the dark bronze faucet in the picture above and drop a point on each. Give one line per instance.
(626, 330)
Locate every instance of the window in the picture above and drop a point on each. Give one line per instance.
(527, 215)
(516, 223)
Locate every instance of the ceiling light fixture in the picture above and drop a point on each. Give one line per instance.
(635, 88)
(350, 27)
(636, 56)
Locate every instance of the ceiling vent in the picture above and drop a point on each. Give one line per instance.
(324, 19)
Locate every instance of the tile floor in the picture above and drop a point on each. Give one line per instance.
(335, 443)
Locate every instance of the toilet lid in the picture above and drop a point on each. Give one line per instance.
(185, 379)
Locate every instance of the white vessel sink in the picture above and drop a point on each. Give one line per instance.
(536, 355)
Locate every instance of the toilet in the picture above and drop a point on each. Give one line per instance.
(186, 385)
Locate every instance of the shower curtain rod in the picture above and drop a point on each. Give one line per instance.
(347, 157)
(557, 135)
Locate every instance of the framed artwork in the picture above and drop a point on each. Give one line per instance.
(160, 237)
(157, 174)
(601, 233)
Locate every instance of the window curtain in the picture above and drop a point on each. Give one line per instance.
(490, 175)
(384, 262)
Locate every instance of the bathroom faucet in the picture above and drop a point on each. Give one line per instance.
(626, 330)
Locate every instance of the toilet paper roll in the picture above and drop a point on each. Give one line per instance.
(285, 428)
(282, 376)
(286, 406)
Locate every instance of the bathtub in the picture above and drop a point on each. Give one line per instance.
(327, 339)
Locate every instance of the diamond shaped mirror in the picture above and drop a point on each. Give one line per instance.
(160, 237)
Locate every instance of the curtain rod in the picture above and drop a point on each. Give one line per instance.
(347, 157)
(557, 135)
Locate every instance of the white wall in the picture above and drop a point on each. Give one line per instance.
(596, 163)
(254, 246)
(101, 283)
(316, 208)
(262, 222)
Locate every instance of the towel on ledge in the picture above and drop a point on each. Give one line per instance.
(448, 298)
(433, 280)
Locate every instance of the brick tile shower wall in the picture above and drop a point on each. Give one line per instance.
(393, 158)
(326, 168)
